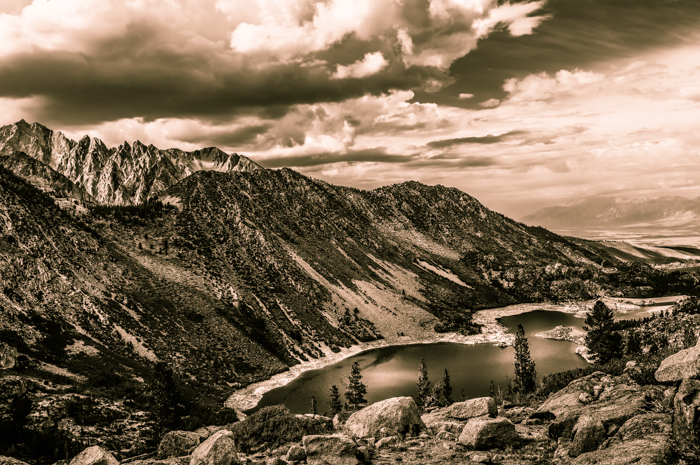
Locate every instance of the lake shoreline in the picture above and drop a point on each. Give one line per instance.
(492, 332)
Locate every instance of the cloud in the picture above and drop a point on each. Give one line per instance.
(542, 86)
(371, 64)
(465, 95)
(108, 60)
(370, 155)
(488, 139)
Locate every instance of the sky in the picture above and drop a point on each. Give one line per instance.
(521, 104)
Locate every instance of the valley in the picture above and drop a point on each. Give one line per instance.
(130, 268)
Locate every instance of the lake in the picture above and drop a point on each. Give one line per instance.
(393, 371)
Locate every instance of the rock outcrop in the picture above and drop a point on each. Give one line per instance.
(125, 175)
(178, 443)
(219, 449)
(94, 455)
(488, 433)
(335, 449)
(682, 365)
(399, 415)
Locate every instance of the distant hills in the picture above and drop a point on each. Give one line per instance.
(610, 212)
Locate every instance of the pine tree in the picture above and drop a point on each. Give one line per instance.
(603, 343)
(525, 374)
(447, 388)
(633, 345)
(335, 404)
(437, 397)
(423, 384)
(492, 389)
(313, 410)
(355, 394)
(167, 408)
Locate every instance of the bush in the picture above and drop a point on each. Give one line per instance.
(272, 427)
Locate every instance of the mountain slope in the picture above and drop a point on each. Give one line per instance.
(607, 212)
(127, 174)
(233, 276)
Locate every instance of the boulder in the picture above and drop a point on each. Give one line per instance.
(642, 440)
(178, 443)
(589, 434)
(679, 366)
(219, 449)
(686, 426)
(617, 402)
(473, 408)
(11, 461)
(488, 433)
(334, 449)
(563, 427)
(296, 453)
(399, 415)
(94, 455)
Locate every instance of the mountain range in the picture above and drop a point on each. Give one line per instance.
(127, 174)
(612, 212)
(113, 259)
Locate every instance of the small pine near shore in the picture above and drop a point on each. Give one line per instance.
(635, 406)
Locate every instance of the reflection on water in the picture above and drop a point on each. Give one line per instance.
(393, 371)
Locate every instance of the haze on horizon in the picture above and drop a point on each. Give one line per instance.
(522, 104)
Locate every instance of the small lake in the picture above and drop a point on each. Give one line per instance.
(393, 371)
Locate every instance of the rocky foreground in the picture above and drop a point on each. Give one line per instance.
(594, 420)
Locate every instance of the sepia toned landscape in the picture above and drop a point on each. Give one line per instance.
(349, 232)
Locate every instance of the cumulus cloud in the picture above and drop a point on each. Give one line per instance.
(109, 60)
(371, 64)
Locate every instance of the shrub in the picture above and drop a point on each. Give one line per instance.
(272, 427)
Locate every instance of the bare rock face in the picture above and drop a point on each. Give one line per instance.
(686, 423)
(488, 433)
(396, 415)
(178, 443)
(127, 174)
(589, 435)
(94, 455)
(334, 449)
(682, 365)
(473, 408)
(219, 449)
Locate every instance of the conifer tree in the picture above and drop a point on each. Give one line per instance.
(633, 345)
(603, 343)
(447, 388)
(492, 389)
(355, 394)
(166, 397)
(313, 410)
(423, 384)
(437, 396)
(335, 404)
(525, 374)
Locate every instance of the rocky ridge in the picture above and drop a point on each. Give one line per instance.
(125, 175)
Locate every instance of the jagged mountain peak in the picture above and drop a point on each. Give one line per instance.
(130, 173)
